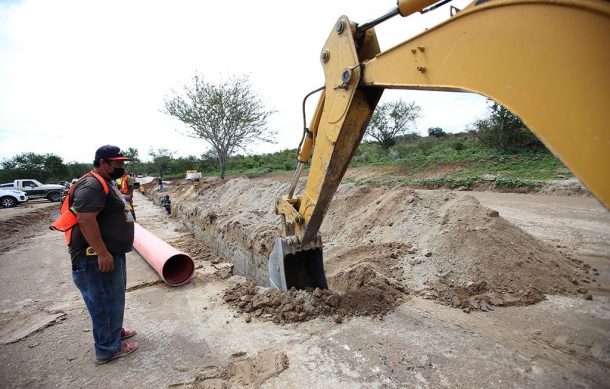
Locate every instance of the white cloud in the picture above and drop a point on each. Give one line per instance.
(77, 74)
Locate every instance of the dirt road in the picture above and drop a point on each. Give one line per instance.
(190, 338)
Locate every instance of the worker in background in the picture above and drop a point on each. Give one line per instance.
(160, 184)
(65, 191)
(99, 241)
(167, 203)
(126, 185)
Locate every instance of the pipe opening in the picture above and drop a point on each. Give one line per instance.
(178, 269)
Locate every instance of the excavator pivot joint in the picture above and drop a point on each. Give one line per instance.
(325, 55)
(340, 27)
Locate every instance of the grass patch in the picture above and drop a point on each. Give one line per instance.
(456, 160)
(462, 159)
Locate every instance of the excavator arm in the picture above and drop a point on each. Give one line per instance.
(547, 61)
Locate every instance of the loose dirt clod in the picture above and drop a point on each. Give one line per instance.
(376, 297)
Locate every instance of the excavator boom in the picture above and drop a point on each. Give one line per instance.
(545, 60)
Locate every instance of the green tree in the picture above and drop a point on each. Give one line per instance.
(42, 167)
(54, 168)
(134, 166)
(391, 120)
(132, 153)
(228, 115)
(77, 169)
(503, 129)
(161, 160)
(209, 161)
(436, 132)
(182, 164)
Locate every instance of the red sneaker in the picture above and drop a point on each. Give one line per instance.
(126, 349)
(127, 333)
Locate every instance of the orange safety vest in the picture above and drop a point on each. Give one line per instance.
(67, 215)
(124, 188)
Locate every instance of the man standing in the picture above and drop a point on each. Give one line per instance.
(126, 185)
(160, 184)
(97, 247)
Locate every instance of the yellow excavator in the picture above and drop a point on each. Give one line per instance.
(548, 61)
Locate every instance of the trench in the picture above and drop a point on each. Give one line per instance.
(432, 243)
(245, 261)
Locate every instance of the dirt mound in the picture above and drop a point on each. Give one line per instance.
(567, 187)
(432, 243)
(447, 248)
(24, 225)
(368, 293)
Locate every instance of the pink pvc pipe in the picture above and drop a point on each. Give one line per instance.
(174, 267)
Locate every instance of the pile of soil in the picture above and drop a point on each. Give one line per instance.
(369, 294)
(30, 223)
(566, 187)
(433, 243)
(448, 248)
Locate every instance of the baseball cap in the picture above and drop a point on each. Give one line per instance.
(110, 153)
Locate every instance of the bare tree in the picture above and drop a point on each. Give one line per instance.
(391, 120)
(229, 115)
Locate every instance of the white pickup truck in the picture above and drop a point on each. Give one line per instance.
(10, 197)
(36, 190)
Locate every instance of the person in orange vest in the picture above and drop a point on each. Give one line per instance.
(97, 246)
(126, 185)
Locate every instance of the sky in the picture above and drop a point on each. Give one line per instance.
(78, 74)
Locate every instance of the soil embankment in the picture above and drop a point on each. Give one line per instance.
(382, 243)
(30, 219)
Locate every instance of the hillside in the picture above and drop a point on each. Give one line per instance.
(456, 161)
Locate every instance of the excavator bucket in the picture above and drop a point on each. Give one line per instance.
(291, 266)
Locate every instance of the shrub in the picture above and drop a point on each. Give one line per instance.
(504, 130)
(425, 146)
(362, 157)
(394, 154)
(411, 137)
(404, 149)
(458, 146)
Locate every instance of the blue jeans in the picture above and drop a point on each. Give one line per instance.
(160, 187)
(104, 295)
